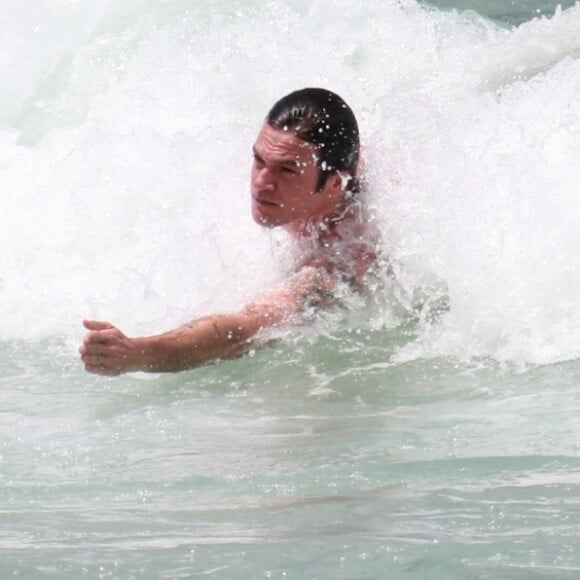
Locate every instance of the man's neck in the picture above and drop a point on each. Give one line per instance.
(321, 227)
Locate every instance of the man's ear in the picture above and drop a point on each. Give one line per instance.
(336, 184)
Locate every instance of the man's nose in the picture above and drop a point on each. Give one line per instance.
(264, 179)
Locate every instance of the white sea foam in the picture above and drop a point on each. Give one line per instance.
(125, 136)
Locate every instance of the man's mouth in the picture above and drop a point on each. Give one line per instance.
(267, 202)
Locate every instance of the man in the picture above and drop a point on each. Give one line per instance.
(304, 179)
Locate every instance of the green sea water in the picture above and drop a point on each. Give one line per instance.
(510, 12)
(309, 461)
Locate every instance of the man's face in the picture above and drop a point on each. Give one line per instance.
(284, 179)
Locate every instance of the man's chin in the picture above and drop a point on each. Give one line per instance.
(263, 220)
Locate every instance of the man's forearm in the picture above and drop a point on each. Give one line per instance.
(199, 342)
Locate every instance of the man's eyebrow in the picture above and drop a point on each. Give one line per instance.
(289, 161)
(294, 162)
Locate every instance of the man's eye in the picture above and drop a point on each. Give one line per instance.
(290, 170)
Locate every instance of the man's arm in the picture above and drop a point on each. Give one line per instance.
(107, 351)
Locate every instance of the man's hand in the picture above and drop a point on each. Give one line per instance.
(107, 351)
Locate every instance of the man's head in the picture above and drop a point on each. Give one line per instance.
(324, 120)
(305, 158)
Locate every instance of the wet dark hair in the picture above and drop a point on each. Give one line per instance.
(323, 119)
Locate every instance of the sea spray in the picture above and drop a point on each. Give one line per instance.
(125, 164)
(479, 187)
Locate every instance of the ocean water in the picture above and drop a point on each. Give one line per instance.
(430, 432)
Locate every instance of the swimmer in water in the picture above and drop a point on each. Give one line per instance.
(305, 180)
